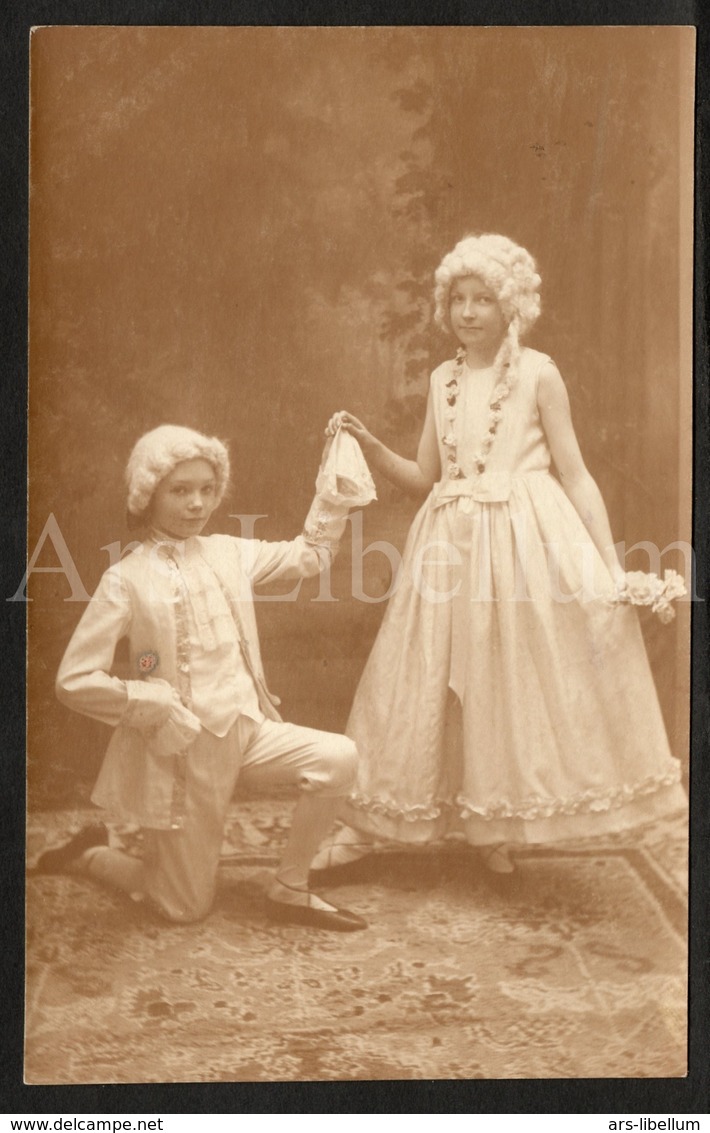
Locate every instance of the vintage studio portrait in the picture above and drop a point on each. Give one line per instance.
(360, 578)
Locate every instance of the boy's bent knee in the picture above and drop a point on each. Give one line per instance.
(338, 764)
(183, 912)
(181, 900)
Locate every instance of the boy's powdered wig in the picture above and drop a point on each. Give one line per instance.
(506, 268)
(156, 454)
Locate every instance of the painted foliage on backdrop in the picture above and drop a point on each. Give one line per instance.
(236, 229)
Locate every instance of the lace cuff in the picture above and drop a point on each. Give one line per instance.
(149, 703)
(325, 523)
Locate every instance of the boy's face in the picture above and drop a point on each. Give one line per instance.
(183, 502)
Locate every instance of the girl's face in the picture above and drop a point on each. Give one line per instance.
(183, 502)
(476, 317)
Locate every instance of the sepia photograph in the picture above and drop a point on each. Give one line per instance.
(360, 567)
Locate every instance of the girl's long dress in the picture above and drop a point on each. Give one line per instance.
(504, 696)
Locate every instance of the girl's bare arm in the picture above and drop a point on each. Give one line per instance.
(579, 485)
(415, 477)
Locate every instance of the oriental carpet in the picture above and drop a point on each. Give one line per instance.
(575, 967)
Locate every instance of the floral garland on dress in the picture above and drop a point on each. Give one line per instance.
(453, 388)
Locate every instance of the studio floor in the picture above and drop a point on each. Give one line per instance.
(573, 968)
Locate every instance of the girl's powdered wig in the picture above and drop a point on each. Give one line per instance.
(156, 454)
(506, 268)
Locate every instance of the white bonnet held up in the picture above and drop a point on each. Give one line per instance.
(157, 453)
(507, 269)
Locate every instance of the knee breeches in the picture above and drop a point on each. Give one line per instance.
(180, 866)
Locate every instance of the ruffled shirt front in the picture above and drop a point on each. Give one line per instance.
(222, 687)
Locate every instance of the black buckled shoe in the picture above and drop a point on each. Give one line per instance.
(314, 912)
(61, 859)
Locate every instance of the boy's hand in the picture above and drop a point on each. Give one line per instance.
(177, 733)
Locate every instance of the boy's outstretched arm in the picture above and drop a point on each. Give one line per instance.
(306, 555)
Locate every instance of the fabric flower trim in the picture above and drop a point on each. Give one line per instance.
(593, 801)
(148, 663)
(495, 415)
(641, 589)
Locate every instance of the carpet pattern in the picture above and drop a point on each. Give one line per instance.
(575, 968)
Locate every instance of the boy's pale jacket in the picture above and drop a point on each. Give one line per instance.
(136, 599)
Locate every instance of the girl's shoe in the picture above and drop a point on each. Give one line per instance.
(343, 846)
(496, 858)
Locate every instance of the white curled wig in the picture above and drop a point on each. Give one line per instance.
(156, 454)
(505, 267)
(511, 274)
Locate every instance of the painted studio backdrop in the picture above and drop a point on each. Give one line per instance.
(236, 229)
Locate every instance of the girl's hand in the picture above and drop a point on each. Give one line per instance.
(343, 420)
(618, 575)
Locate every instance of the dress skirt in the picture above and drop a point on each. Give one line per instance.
(506, 697)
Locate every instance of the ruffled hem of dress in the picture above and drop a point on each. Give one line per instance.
(535, 807)
(426, 812)
(589, 802)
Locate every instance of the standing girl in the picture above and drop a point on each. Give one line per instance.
(505, 697)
